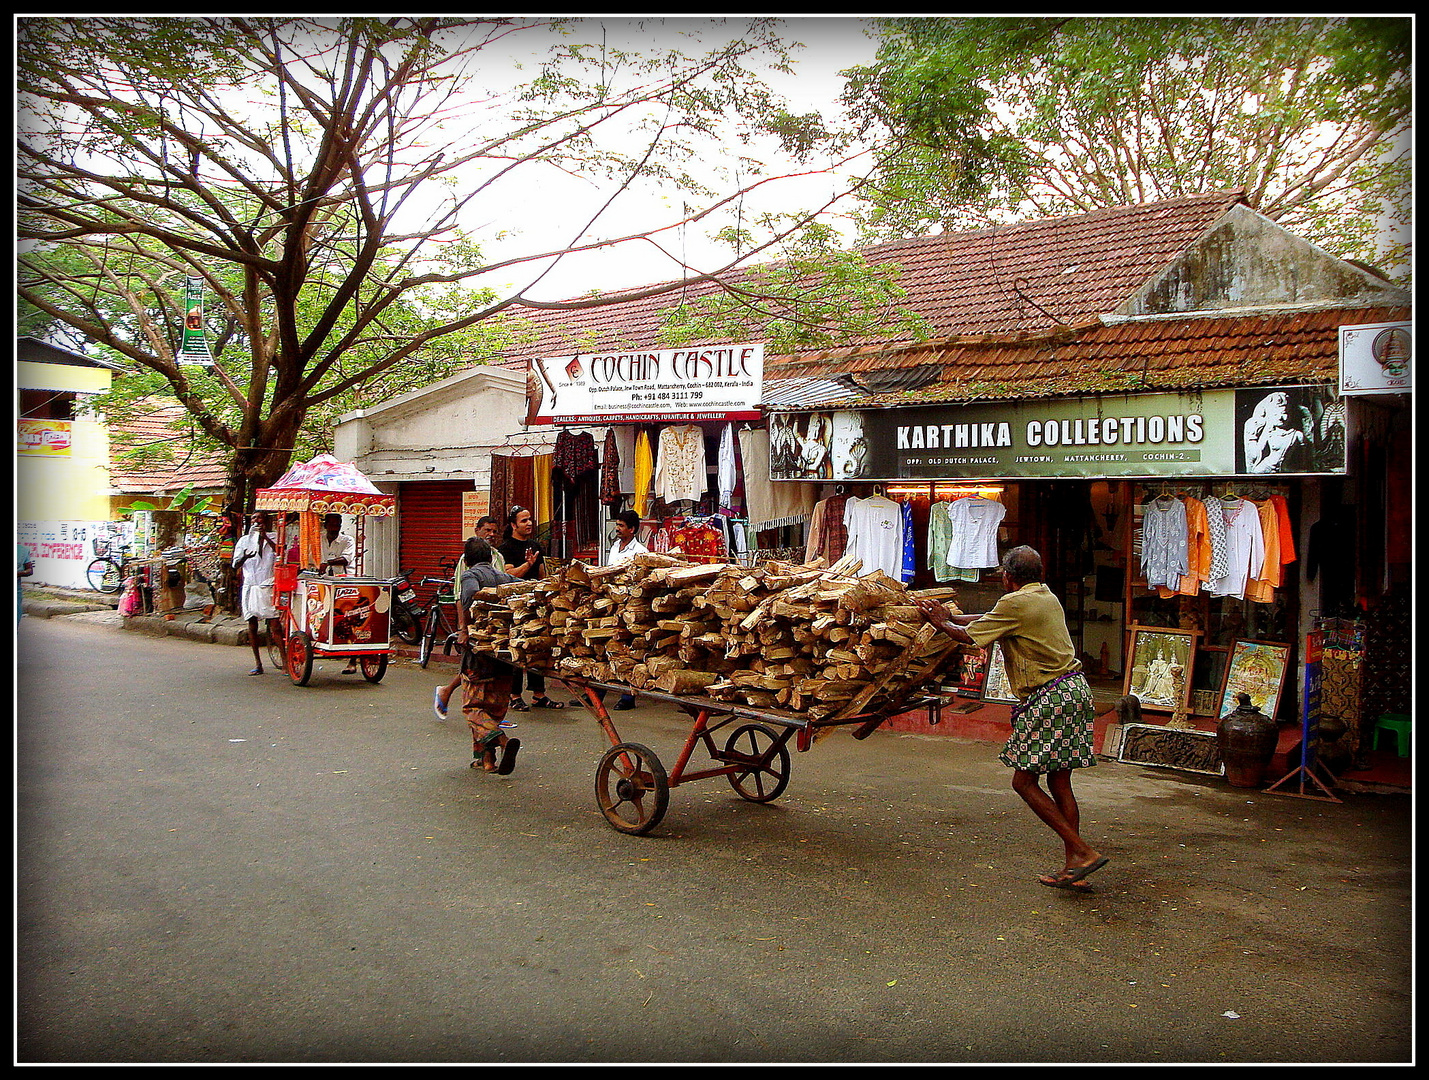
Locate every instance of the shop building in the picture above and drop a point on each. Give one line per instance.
(1083, 373)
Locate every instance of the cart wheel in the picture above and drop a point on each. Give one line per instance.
(300, 658)
(759, 782)
(631, 788)
(373, 667)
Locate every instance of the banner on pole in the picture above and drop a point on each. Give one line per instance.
(193, 346)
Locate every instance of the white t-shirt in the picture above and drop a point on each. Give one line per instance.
(973, 523)
(620, 555)
(875, 534)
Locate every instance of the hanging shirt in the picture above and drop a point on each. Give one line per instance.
(974, 523)
(1245, 547)
(1163, 543)
(680, 467)
(610, 470)
(644, 470)
(1261, 588)
(910, 553)
(1198, 548)
(940, 538)
(726, 477)
(875, 534)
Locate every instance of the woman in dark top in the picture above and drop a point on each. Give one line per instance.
(525, 558)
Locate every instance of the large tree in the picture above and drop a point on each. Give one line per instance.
(329, 181)
(1063, 115)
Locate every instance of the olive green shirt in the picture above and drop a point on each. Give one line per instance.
(1031, 627)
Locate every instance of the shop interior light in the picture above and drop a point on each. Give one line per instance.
(987, 491)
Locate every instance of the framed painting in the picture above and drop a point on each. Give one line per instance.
(1256, 668)
(1158, 667)
(996, 687)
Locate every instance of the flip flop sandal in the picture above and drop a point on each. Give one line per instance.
(1076, 873)
(437, 706)
(547, 703)
(256, 671)
(1057, 881)
(508, 757)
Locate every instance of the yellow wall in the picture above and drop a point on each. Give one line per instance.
(73, 487)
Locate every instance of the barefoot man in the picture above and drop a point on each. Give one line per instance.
(1052, 723)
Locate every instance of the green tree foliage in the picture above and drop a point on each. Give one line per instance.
(1063, 115)
(330, 180)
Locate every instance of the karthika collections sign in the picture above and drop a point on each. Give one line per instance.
(1297, 430)
(652, 385)
(1376, 358)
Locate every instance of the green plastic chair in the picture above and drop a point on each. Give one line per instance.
(1397, 725)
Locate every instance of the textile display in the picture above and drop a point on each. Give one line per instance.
(1245, 546)
(644, 473)
(1164, 543)
(769, 505)
(828, 536)
(974, 523)
(875, 534)
(726, 475)
(680, 464)
(574, 454)
(610, 470)
(910, 554)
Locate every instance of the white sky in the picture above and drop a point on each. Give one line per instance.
(542, 220)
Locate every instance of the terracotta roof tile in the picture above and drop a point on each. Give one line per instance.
(155, 428)
(1174, 353)
(1029, 276)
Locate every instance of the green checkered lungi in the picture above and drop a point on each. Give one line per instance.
(1052, 729)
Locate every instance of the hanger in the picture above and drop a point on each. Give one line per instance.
(1230, 496)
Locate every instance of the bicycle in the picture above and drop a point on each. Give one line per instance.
(437, 621)
(106, 573)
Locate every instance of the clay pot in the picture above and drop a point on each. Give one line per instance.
(1247, 739)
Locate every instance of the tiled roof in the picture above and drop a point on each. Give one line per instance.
(1029, 276)
(205, 470)
(1129, 356)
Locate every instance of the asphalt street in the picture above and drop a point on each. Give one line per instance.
(216, 868)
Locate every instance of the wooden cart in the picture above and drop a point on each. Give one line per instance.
(747, 746)
(343, 618)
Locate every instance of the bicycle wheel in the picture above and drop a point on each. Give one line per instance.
(104, 576)
(429, 637)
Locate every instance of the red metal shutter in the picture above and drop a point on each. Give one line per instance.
(429, 528)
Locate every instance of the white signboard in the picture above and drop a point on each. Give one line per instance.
(708, 382)
(1377, 358)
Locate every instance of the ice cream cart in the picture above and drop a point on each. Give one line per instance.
(345, 618)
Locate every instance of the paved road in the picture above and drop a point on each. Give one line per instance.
(215, 868)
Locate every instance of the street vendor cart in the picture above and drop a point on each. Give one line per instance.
(321, 617)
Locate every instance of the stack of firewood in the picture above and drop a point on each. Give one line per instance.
(808, 638)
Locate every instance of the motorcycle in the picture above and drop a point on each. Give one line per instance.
(407, 614)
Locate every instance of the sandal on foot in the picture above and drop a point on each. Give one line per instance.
(544, 702)
(508, 757)
(1076, 873)
(437, 706)
(517, 705)
(1059, 880)
(256, 671)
